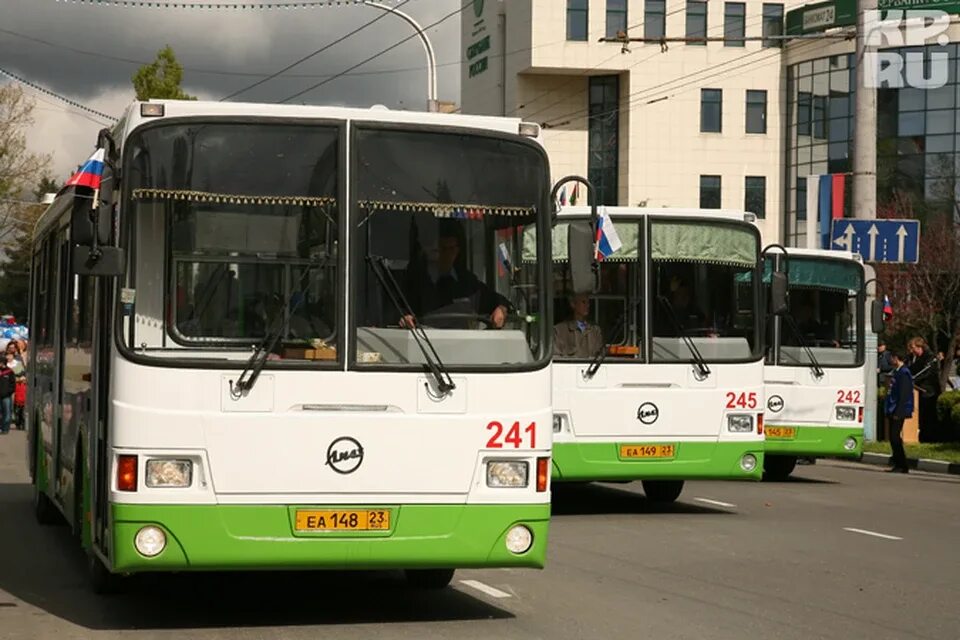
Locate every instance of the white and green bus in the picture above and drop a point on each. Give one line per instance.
(286, 337)
(816, 368)
(665, 384)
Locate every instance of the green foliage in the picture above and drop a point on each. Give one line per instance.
(945, 404)
(955, 415)
(15, 273)
(161, 79)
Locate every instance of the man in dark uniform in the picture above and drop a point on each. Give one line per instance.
(442, 285)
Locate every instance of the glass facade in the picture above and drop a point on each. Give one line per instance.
(603, 160)
(918, 135)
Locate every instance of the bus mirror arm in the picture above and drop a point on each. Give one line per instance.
(95, 259)
(594, 218)
(878, 321)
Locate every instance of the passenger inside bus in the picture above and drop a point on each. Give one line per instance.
(444, 293)
(690, 318)
(577, 337)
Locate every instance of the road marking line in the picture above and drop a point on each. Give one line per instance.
(716, 503)
(485, 588)
(872, 533)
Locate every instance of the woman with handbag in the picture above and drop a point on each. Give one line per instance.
(925, 369)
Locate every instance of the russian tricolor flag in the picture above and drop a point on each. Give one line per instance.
(90, 173)
(826, 194)
(887, 308)
(608, 242)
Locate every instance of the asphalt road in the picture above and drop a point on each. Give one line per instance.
(800, 559)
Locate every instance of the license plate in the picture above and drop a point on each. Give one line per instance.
(343, 520)
(634, 451)
(782, 433)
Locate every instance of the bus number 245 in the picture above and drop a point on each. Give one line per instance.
(513, 436)
(741, 400)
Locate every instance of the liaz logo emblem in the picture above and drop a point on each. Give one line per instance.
(775, 404)
(344, 455)
(648, 413)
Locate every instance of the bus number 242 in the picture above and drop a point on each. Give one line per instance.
(848, 397)
(513, 436)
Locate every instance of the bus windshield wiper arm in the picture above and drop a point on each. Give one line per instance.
(251, 372)
(601, 354)
(434, 364)
(814, 364)
(687, 340)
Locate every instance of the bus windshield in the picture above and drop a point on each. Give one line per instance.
(442, 213)
(234, 233)
(826, 306)
(700, 278)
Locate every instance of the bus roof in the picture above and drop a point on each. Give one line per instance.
(825, 253)
(195, 108)
(718, 214)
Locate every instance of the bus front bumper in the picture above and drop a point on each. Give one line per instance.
(227, 537)
(599, 461)
(816, 441)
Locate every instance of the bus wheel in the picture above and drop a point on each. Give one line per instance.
(43, 508)
(102, 582)
(778, 468)
(429, 578)
(662, 491)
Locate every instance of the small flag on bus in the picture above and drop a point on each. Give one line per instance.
(608, 242)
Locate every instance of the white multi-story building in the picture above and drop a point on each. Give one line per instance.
(671, 124)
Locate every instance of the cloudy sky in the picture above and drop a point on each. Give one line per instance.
(89, 53)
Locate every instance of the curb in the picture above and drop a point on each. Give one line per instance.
(923, 464)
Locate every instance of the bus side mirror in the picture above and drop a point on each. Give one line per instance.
(778, 293)
(580, 253)
(104, 262)
(876, 316)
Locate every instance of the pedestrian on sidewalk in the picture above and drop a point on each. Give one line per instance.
(8, 384)
(899, 407)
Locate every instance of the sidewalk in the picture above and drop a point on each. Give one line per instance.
(921, 464)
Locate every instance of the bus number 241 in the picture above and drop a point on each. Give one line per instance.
(514, 436)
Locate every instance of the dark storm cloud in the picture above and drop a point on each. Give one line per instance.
(221, 51)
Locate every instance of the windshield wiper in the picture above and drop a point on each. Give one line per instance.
(251, 372)
(601, 354)
(444, 382)
(698, 360)
(814, 364)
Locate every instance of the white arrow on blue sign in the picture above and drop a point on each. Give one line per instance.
(878, 240)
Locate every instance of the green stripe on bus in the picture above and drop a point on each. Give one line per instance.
(816, 441)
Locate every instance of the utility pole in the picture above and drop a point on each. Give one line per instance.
(865, 121)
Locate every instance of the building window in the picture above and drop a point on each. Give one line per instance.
(756, 111)
(654, 18)
(711, 110)
(755, 195)
(804, 106)
(603, 160)
(801, 198)
(820, 117)
(616, 17)
(577, 20)
(772, 24)
(709, 192)
(734, 23)
(697, 21)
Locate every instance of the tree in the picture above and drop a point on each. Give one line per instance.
(926, 296)
(161, 78)
(15, 267)
(18, 167)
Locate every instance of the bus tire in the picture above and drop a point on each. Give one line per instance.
(778, 468)
(429, 578)
(662, 491)
(102, 581)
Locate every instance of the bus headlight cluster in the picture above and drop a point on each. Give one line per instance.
(165, 472)
(513, 474)
(150, 541)
(846, 414)
(740, 423)
(560, 422)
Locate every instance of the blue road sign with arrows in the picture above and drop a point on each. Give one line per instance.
(878, 240)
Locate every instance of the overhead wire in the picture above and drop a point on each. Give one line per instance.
(72, 103)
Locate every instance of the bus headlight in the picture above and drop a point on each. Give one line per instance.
(165, 472)
(846, 414)
(748, 462)
(514, 474)
(740, 423)
(519, 539)
(150, 541)
(560, 422)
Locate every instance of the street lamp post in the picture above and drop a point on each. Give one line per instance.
(432, 104)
